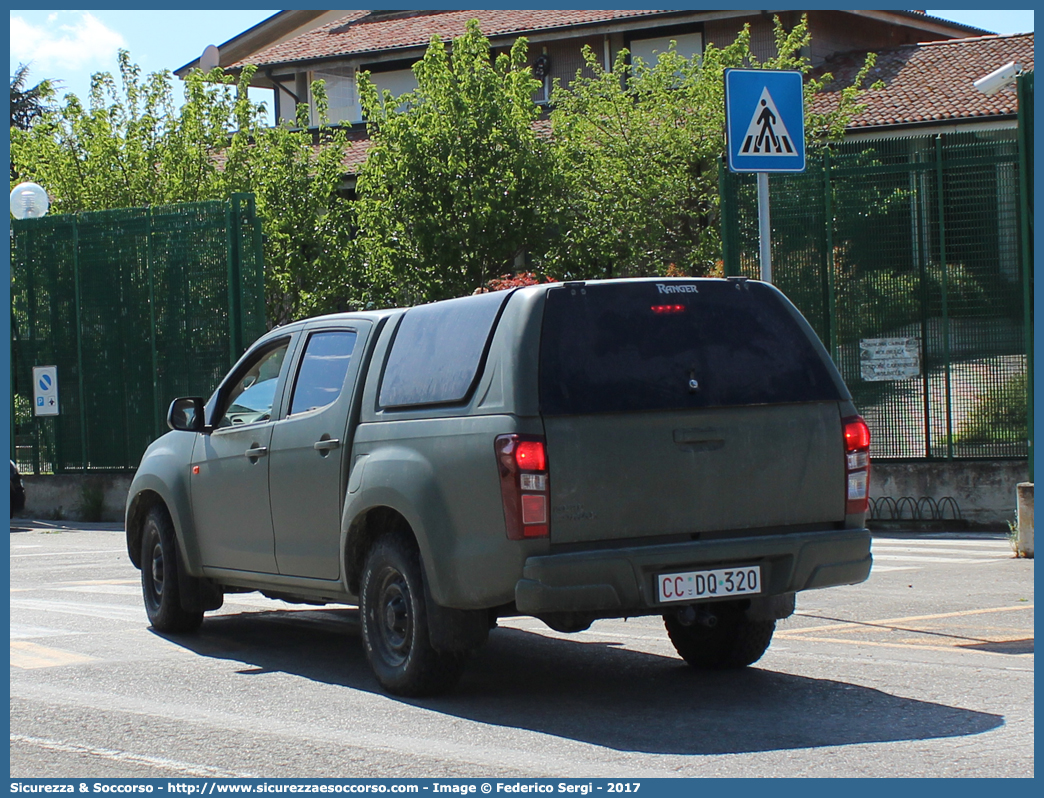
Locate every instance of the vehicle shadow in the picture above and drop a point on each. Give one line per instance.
(597, 692)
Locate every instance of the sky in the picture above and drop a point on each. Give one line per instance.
(69, 46)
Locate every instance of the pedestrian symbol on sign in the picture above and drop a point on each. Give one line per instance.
(766, 133)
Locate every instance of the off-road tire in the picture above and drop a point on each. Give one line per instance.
(734, 642)
(395, 623)
(159, 576)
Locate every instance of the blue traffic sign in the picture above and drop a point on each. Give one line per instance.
(764, 120)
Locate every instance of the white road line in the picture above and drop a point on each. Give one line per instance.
(50, 567)
(112, 612)
(919, 542)
(933, 550)
(107, 590)
(918, 558)
(185, 768)
(919, 552)
(62, 553)
(880, 569)
(22, 632)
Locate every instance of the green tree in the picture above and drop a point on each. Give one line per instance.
(28, 104)
(638, 148)
(131, 147)
(457, 178)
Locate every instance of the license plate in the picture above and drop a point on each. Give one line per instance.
(707, 584)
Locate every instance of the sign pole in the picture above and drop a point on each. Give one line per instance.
(764, 227)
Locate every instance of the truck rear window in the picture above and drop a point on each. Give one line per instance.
(627, 347)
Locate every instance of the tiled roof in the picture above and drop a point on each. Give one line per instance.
(359, 32)
(931, 81)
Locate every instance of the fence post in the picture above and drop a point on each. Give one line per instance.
(232, 260)
(259, 270)
(828, 261)
(156, 424)
(79, 343)
(727, 212)
(1024, 86)
(30, 293)
(945, 289)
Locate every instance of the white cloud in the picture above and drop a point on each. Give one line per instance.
(80, 44)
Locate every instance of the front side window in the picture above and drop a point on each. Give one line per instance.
(252, 395)
(320, 378)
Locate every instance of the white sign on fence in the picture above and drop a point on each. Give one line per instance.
(45, 390)
(883, 359)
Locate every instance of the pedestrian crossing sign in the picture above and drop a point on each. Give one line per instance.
(764, 120)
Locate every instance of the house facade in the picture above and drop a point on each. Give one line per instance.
(294, 48)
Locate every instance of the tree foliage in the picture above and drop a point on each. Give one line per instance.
(454, 185)
(130, 147)
(27, 104)
(462, 175)
(639, 147)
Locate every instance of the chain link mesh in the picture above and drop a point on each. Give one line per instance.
(135, 307)
(915, 239)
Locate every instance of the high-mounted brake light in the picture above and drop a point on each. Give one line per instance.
(667, 310)
(522, 462)
(857, 465)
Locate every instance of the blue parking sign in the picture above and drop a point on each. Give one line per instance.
(764, 120)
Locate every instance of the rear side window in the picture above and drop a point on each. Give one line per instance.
(320, 377)
(438, 351)
(671, 346)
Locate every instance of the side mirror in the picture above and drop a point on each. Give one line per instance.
(186, 414)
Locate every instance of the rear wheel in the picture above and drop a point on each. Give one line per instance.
(719, 637)
(159, 576)
(395, 623)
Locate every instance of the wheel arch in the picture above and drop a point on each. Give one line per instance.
(138, 509)
(366, 529)
(149, 491)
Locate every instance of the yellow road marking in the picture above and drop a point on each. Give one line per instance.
(28, 655)
(864, 624)
(910, 645)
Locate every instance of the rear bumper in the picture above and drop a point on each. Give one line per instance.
(622, 581)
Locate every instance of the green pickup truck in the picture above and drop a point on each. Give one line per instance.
(571, 451)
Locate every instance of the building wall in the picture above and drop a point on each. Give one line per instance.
(722, 33)
(832, 34)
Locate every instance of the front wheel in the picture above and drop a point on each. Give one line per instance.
(395, 623)
(719, 637)
(159, 576)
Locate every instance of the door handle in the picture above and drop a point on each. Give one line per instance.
(327, 445)
(256, 451)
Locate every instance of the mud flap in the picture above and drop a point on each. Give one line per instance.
(197, 594)
(771, 608)
(454, 630)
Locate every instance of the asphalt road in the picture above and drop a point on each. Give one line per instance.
(924, 670)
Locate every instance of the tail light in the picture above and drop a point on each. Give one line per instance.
(857, 465)
(522, 461)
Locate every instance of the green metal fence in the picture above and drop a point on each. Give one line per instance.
(134, 306)
(906, 257)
